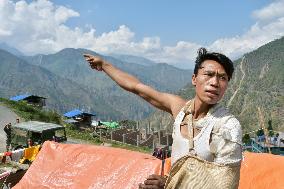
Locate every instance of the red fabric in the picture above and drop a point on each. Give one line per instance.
(7, 153)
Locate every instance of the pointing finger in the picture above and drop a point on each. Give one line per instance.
(87, 55)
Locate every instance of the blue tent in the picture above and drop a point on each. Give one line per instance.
(73, 113)
(19, 97)
(76, 112)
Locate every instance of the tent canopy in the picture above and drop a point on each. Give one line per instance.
(111, 125)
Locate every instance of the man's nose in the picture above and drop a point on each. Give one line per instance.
(214, 81)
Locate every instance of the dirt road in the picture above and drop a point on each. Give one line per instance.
(6, 116)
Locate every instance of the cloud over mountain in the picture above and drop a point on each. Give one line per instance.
(41, 27)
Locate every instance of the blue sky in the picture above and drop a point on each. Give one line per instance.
(161, 30)
(172, 21)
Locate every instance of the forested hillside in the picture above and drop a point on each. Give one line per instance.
(259, 82)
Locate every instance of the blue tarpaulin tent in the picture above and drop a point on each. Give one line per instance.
(76, 112)
(19, 97)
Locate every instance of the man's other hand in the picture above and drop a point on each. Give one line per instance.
(153, 182)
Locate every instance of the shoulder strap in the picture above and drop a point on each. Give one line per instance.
(188, 119)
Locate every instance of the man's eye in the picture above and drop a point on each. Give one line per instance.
(223, 78)
(209, 74)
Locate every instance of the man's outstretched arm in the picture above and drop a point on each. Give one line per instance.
(164, 101)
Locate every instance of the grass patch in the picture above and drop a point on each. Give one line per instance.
(31, 113)
(81, 135)
(87, 136)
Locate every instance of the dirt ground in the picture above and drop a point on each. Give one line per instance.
(6, 116)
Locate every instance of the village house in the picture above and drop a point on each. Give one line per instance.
(79, 118)
(34, 100)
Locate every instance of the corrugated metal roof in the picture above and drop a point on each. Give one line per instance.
(37, 126)
(19, 97)
(76, 112)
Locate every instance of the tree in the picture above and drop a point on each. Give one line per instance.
(270, 128)
(260, 132)
(246, 139)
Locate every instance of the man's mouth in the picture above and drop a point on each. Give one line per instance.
(212, 92)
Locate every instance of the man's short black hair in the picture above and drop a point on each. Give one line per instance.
(203, 55)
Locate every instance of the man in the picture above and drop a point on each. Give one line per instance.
(7, 130)
(216, 133)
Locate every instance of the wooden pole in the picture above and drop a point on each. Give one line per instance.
(167, 139)
(159, 135)
(138, 140)
(123, 138)
(149, 127)
(137, 125)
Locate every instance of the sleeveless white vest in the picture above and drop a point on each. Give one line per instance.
(228, 135)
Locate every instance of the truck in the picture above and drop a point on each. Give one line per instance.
(36, 132)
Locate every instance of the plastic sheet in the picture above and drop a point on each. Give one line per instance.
(75, 166)
(87, 166)
(262, 171)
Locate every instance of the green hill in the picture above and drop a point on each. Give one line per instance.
(258, 81)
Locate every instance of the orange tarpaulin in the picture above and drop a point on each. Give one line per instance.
(75, 166)
(262, 171)
(87, 166)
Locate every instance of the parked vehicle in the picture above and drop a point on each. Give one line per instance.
(35, 132)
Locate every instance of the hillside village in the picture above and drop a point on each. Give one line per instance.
(108, 133)
(153, 135)
(122, 131)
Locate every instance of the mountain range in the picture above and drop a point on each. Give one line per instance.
(67, 82)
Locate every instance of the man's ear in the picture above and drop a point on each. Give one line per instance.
(193, 80)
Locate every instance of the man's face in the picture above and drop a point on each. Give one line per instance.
(210, 82)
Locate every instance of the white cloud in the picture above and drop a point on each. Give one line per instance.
(37, 27)
(272, 11)
(40, 27)
(259, 34)
(181, 53)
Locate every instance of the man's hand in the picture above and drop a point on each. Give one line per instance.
(153, 182)
(95, 62)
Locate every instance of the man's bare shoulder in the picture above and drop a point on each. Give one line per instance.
(177, 103)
